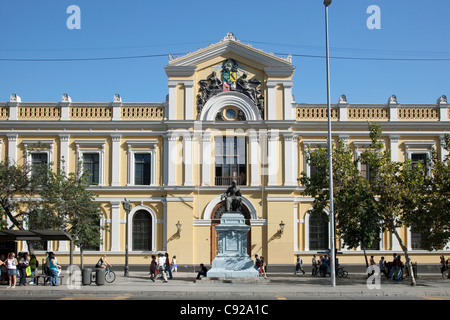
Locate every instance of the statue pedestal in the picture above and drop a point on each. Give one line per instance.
(232, 259)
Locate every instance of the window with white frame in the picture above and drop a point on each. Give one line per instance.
(142, 162)
(142, 169)
(419, 152)
(91, 154)
(142, 231)
(363, 168)
(38, 153)
(230, 160)
(310, 146)
(91, 166)
(416, 239)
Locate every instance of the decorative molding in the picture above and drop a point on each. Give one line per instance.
(231, 45)
(224, 99)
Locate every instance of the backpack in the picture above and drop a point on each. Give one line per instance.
(99, 263)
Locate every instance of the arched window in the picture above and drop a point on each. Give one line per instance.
(142, 231)
(318, 233)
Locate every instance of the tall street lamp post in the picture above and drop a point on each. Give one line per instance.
(127, 207)
(330, 157)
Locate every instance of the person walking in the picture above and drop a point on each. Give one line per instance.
(298, 266)
(167, 268)
(174, 264)
(263, 267)
(258, 264)
(161, 266)
(382, 266)
(443, 267)
(398, 275)
(314, 265)
(34, 264)
(11, 265)
(47, 263)
(393, 268)
(446, 268)
(371, 263)
(153, 268)
(323, 266)
(23, 265)
(53, 267)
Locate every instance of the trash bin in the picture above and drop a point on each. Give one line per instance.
(100, 276)
(86, 276)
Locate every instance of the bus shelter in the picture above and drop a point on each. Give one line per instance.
(37, 235)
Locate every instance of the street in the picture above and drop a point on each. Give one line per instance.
(281, 287)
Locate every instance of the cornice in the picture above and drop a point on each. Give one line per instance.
(231, 44)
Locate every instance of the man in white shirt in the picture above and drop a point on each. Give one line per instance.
(161, 265)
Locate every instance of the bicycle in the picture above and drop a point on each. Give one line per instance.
(110, 275)
(341, 272)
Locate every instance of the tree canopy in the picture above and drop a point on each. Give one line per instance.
(389, 196)
(49, 199)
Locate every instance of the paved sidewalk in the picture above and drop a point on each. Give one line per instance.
(281, 286)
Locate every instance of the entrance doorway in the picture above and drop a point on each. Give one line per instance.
(217, 213)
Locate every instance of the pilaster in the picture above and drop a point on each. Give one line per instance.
(115, 160)
(206, 159)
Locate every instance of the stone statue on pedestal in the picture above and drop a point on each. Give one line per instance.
(232, 260)
(233, 198)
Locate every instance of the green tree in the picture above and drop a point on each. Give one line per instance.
(393, 187)
(16, 182)
(431, 202)
(394, 195)
(67, 204)
(18, 185)
(48, 199)
(357, 222)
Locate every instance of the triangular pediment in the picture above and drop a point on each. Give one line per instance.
(271, 64)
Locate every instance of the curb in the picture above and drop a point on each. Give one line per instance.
(277, 286)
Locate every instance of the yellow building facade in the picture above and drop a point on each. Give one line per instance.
(229, 115)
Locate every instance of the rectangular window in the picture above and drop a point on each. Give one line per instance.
(364, 168)
(416, 239)
(313, 171)
(230, 160)
(142, 169)
(37, 160)
(374, 246)
(419, 158)
(365, 171)
(91, 166)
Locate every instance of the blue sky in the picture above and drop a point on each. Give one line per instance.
(409, 30)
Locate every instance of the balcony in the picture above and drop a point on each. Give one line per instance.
(392, 111)
(15, 109)
(226, 181)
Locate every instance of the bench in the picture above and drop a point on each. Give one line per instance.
(46, 278)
